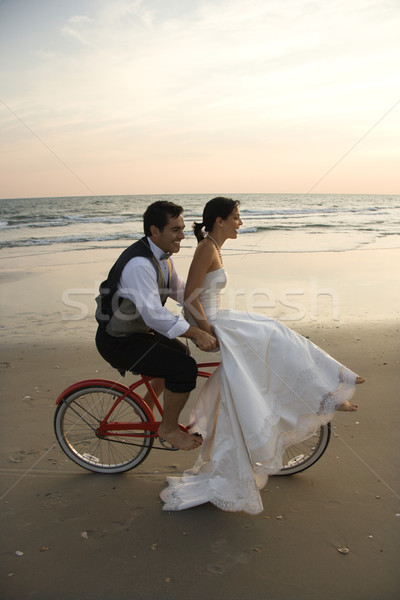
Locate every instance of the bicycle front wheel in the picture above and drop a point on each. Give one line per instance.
(76, 424)
(303, 455)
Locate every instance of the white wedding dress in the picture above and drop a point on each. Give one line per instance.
(273, 388)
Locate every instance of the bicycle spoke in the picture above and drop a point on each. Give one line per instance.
(77, 423)
(303, 455)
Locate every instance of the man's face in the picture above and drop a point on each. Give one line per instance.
(169, 240)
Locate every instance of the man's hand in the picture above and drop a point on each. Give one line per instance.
(205, 341)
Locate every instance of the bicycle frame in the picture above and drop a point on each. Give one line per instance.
(128, 429)
(103, 445)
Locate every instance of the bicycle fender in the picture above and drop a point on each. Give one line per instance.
(120, 387)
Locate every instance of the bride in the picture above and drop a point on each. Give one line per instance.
(273, 388)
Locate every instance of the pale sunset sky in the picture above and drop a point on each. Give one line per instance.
(105, 97)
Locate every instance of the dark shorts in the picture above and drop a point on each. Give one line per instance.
(150, 354)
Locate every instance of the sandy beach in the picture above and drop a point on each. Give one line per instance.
(68, 533)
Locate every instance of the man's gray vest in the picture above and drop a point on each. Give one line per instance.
(116, 314)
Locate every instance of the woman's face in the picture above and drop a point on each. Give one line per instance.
(232, 223)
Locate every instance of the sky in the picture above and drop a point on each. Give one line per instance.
(102, 97)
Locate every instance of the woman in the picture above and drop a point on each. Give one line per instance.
(273, 388)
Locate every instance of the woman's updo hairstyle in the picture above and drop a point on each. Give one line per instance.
(217, 207)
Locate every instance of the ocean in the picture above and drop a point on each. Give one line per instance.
(271, 222)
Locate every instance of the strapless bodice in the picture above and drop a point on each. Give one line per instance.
(213, 284)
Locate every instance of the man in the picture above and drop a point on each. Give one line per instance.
(137, 333)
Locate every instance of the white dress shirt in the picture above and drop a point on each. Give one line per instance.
(138, 283)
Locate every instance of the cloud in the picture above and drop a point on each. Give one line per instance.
(77, 27)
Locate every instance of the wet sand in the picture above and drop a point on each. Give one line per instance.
(95, 536)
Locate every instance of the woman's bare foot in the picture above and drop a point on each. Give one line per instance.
(347, 406)
(179, 439)
(360, 380)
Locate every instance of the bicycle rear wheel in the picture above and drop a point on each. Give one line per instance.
(77, 419)
(303, 455)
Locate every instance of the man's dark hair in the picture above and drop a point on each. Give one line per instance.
(158, 213)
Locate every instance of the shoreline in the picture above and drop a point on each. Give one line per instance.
(21, 252)
(54, 294)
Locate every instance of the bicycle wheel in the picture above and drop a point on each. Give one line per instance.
(77, 419)
(303, 455)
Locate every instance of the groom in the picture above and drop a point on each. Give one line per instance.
(137, 333)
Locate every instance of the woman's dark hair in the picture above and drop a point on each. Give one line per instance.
(157, 214)
(217, 207)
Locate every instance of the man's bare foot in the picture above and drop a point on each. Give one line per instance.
(360, 380)
(179, 439)
(347, 406)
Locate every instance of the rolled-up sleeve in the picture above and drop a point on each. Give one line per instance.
(139, 284)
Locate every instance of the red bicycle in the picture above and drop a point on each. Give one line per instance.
(107, 427)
